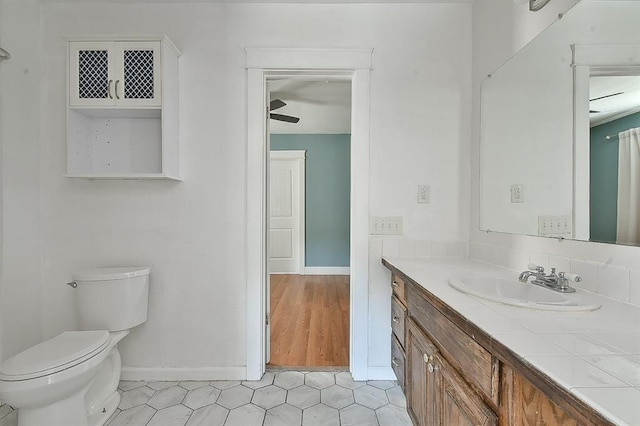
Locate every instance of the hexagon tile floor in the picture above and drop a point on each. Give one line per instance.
(281, 398)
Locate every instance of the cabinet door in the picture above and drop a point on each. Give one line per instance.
(457, 402)
(420, 378)
(91, 71)
(137, 78)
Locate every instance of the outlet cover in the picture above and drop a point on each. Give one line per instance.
(424, 194)
(388, 225)
(517, 193)
(555, 225)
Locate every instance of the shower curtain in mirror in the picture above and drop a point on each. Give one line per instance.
(628, 231)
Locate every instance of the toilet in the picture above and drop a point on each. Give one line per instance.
(72, 379)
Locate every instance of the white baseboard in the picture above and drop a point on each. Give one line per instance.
(177, 374)
(327, 270)
(381, 373)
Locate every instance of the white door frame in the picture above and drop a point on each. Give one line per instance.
(342, 64)
(299, 157)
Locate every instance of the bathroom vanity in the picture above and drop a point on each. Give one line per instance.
(461, 360)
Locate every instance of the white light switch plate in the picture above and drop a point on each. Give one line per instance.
(386, 225)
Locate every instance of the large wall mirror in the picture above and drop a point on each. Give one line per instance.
(560, 130)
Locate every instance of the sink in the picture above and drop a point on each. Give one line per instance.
(513, 292)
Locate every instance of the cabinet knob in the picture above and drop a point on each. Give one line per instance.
(431, 368)
(394, 361)
(395, 319)
(427, 358)
(394, 284)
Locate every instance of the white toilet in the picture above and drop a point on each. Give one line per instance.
(72, 379)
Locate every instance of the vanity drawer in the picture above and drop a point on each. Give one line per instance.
(397, 360)
(475, 363)
(397, 284)
(398, 316)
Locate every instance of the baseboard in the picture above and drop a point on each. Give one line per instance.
(177, 374)
(327, 270)
(381, 373)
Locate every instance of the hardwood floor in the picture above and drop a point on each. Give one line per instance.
(309, 321)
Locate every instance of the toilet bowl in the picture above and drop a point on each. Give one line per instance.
(72, 379)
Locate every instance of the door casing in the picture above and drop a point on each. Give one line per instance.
(313, 64)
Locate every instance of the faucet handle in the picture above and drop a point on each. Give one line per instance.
(534, 267)
(571, 277)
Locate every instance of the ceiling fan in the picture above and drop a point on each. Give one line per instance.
(602, 97)
(276, 104)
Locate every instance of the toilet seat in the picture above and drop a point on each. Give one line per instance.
(64, 351)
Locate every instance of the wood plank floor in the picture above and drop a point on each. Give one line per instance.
(309, 321)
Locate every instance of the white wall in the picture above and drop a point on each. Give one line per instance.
(192, 233)
(501, 28)
(20, 287)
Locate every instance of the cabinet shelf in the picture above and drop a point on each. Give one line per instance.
(122, 115)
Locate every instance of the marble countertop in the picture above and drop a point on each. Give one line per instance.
(594, 355)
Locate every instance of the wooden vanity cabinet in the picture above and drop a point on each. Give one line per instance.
(398, 321)
(455, 374)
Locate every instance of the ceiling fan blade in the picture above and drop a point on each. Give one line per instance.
(287, 118)
(606, 96)
(275, 104)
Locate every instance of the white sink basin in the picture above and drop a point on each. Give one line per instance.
(513, 292)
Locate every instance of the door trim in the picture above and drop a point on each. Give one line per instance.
(344, 64)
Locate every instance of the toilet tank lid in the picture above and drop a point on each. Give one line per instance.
(54, 354)
(103, 274)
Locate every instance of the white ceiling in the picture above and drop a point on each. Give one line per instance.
(259, 1)
(613, 107)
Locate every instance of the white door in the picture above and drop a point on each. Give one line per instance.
(286, 207)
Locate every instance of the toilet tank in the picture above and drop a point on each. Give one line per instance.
(112, 298)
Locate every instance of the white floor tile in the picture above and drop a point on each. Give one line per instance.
(336, 396)
(371, 397)
(289, 379)
(201, 397)
(266, 380)
(161, 385)
(211, 415)
(392, 415)
(283, 415)
(319, 379)
(269, 397)
(176, 415)
(358, 415)
(135, 397)
(247, 415)
(235, 397)
(167, 397)
(303, 397)
(320, 415)
(136, 416)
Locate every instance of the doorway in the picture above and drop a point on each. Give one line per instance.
(309, 179)
(347, 64)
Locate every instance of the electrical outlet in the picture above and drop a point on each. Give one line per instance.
(517, 193)
(424, 194)
(386, 225)
(554, 225)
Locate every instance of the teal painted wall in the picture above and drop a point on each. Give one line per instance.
(328, 196)
(603, 187)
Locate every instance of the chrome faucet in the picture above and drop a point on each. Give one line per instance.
(553, 281)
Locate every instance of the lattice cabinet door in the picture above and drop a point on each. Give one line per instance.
(138, 74)
(117, 73)
(91, 74)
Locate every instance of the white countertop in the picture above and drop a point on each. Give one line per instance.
(594, 355)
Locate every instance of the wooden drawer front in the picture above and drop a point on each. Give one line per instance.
(474, 362)
(398, 316)
(397, 284)
(397, 361)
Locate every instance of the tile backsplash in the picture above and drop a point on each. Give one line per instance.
(617, 282)
(424, 249)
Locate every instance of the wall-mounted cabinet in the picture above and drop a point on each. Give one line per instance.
(122, 120)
